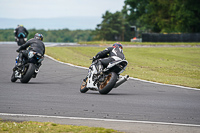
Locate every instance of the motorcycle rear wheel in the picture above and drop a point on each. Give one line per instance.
(108, 84)
(83, 88)
(21, 42)
(28, 74)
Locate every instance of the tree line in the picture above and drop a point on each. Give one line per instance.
(136, 17)
(165, 16)
(64, 35)
(150, 16)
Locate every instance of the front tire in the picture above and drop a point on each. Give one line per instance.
(108, 84)
(83, 88)
(13, 79)
(28, 74)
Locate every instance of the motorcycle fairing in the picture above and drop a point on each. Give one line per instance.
(117, 66)
(91, 72)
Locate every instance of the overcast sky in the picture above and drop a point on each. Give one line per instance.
(57, 8)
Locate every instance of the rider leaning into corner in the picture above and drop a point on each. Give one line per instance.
(35, 44)
(20, 31)
(108, 55)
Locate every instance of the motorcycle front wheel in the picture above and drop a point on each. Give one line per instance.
(83, 88)
(30, 69)
(108, 84)
(13, 79)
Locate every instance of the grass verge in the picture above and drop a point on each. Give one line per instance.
(170, 65)
(47, 127)
(102, 43)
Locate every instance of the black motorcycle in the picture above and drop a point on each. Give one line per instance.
(21, 40)
(28, 69)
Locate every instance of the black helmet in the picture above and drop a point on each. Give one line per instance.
(117, 44)
(38, 36)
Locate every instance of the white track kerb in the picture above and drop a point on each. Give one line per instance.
(98, 119)
(129, 77)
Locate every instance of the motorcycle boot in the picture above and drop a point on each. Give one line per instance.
(99, 67)
(23, 54)
(99, 74)
(17, 67)
(19, 62)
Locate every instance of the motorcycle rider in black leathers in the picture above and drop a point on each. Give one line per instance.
(20, 31)
(35, 44)
(108, 55)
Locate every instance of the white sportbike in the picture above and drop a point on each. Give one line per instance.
(108, 79)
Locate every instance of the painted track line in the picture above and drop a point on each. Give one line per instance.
(188, 88)
(98, 119)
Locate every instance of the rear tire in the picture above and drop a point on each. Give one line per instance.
(83, 88)
(29, 73)
(21, 41)
(108, 84)
(13, 79)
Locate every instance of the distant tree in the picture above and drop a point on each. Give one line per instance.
(165, 15)
(187, 15)
(7, 35)
(114, 27)
(136, 10)
(110, 28)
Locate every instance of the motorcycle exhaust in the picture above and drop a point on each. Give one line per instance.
(121, 80)
(36, 70)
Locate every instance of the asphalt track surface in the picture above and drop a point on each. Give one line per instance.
(135, 106)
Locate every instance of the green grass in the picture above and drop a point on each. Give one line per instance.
(102, 43)
(170, 65)
(180, 66)
(47, 127)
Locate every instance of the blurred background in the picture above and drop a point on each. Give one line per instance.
(109, 20)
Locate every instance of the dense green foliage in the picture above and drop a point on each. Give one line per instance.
(64, 35)
(114, 27)
(165, 16)
(160, 16)
(6, 34)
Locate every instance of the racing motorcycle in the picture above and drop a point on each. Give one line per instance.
(21, 40)
(29, 67)
(108, 79)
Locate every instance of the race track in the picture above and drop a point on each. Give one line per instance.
(55, 92)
